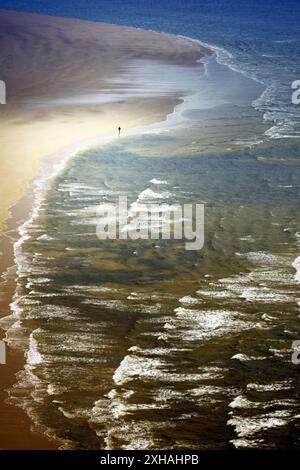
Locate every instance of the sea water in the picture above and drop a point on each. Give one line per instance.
(142, 344)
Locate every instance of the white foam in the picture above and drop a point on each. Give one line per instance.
(34, 357)
(206, 324)
(157, 181)
(144, 368)
(189, 300)
(271, 387)
(133, 366)
(149, 194)
(107, 303)
(246, 427)
(45, 237)
(296, 265)
(245, 358)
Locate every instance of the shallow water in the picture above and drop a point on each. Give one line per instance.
(142, 344)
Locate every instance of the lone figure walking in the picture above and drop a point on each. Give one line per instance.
(119, 130)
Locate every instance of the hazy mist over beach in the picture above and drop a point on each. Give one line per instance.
(142, 344)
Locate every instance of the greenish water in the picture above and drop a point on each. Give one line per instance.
(142, 344)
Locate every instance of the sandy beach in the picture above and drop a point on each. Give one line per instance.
(50, 65)
(45, 59)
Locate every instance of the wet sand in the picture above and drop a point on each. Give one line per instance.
(43, 61)
(47, 59)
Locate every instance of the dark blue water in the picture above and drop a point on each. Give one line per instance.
(271, 19)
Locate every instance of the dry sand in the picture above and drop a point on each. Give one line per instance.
(42, 60)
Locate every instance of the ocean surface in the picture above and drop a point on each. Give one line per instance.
(143, 344)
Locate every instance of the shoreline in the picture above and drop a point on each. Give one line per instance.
(17, 428)
(16, 359)
(83, 91)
